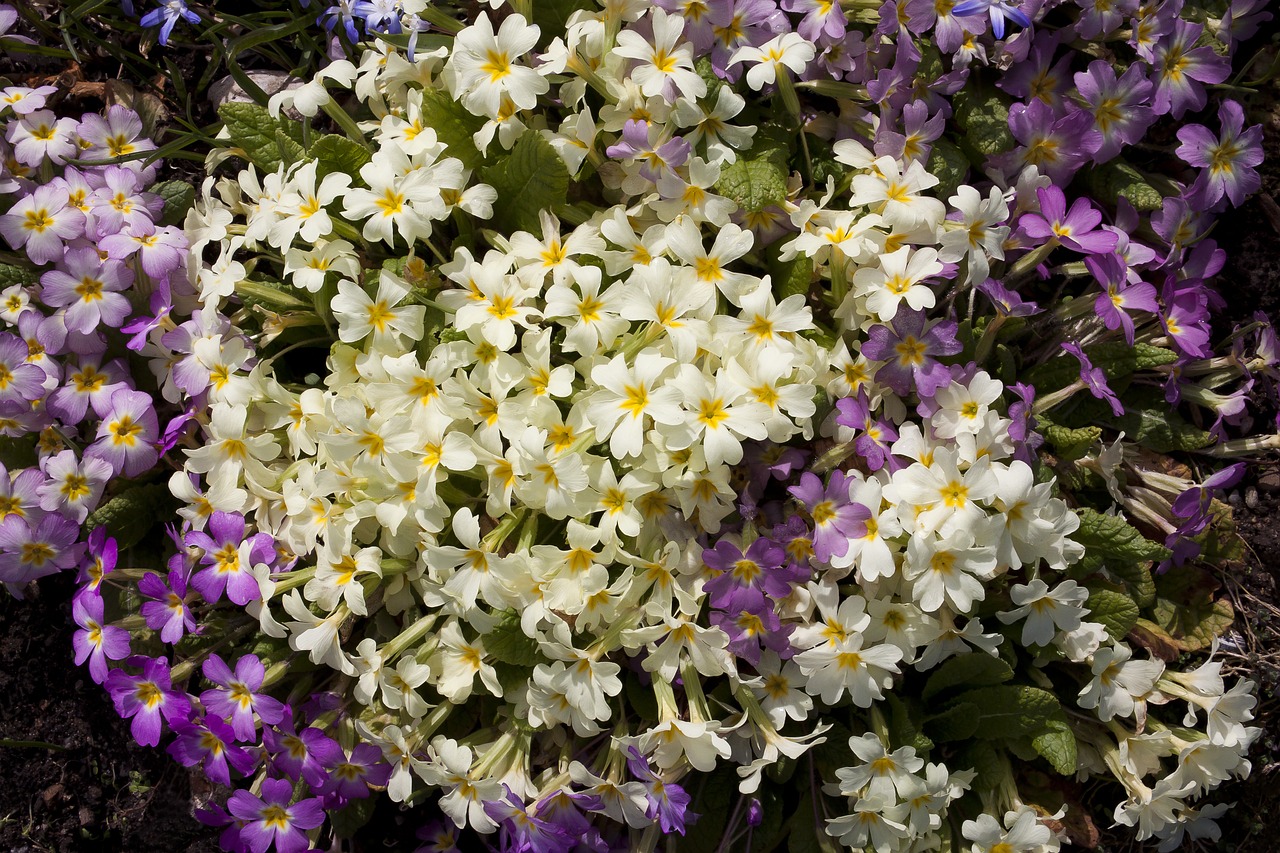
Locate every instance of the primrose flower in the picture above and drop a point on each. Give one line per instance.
(147, 698)
(89, 289)
(836, 519)
(1118, 296)
(167, 17)
(39, 135)
(790, 51)
(1094, 379)
(127, 434)
(664, 65)
(168, 612)
(42, 222)
(909, 351)
(96, 641)
(207, 742)
(484, 66)
(273, 819)
(1077, 229)
(238, 695)
(1180, 69)
(228, 558)
(1227, 159)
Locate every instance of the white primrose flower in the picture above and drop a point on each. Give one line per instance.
(897, 280)
(791, 51)
(980, 234)
(1022, 833)
(963, 407)
(360, 316)
(898, 194)
(1045, 612)
(485, 65)
(1120, 686)
(664, 66)
(627, 395)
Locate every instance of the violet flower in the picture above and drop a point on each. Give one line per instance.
(1094, 379)
(668, 802)
(20, 382)
(1056, 145)
(229, 558)
(1186, 320)
(207, 742)
(1007, 302)
(127, 434)
(836, 518)
(96, 641)
(351, 775)
(31, 549)
(1077, 229)
(523, 830)
(300, 755)
(743, 580)
(88, 383)
(1119, 107)
(270, 819)
(168, 612)
(1118, 296)
(98, 562)
(239, 696)
(751, 630)
(657, 159)
(1181, 68)
(875, 436)
(910, 352)
(147, 698)
(1227, 159)
(159, 249)
(88, 289)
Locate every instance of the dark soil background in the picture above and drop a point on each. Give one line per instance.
(72, 779)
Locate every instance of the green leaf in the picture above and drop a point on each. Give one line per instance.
(958, 722)
(1012, 710)
(1069, 444)
(950, 165)
(11, 275)
(552, 15)
(1118, 179)
(756, 179)
(131, 514)
(808, 832)
(1057, 745)
(790, 277)
(976, 669)
(507, 642)
(178, 197)
(530, 179)
(904, 725)
(987, 760)
(713, 803)
(983, 114)
(18, 453)
(266, 141)
(1113, 538)
(1116, 359)
(1150, 422)
(335, 153)
(454, 125)
(347, 820)
(1115, 610)
(1187, 609)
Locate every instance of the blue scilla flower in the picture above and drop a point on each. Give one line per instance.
(997, 10)
(380, 16)
(167, 17)
(341, 12)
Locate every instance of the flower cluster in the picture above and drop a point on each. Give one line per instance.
(584, 416)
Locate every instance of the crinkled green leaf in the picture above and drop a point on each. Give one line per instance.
(1113, 538)
(1188, 610)
(754, 181)
(1116, 359)
(530, 179)
(454, 125)
(1220, 543)
(808, 830)
(983, 114)
(1149, 421)
(904, 725)
(351, 817)
(1057, 745)
(790, 277)
(1011, 710)
(178, 197)
(290, 150)
(716, 793)
(16, 453)
(1069, 444)
(507, 643)
(976, 669)
(950, 165)
(11, 275)
(335, 153)
(266, 141)
(1117, 612)
(957, 722)
(131, 514)
(1117, 179)
(552, 15)
(986, 759)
